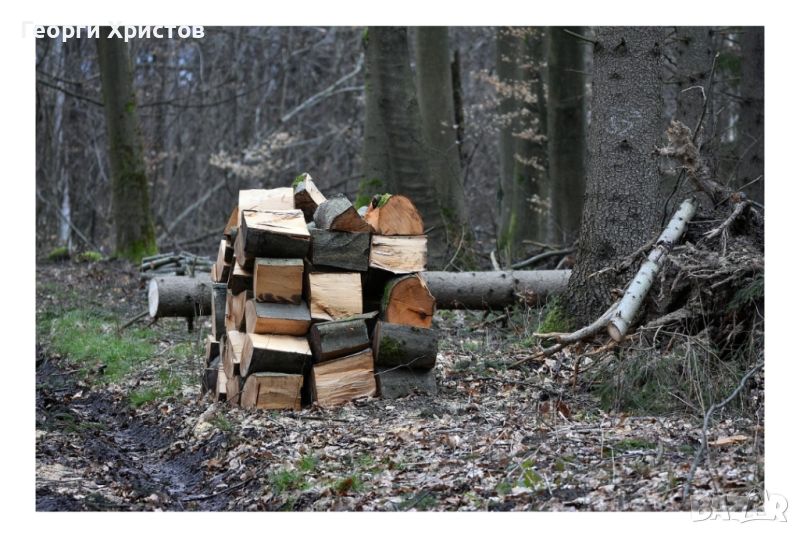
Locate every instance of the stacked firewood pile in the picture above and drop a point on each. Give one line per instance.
(313, 302)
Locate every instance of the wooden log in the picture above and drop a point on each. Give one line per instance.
(232, 354)
(341, 380)
(209, 379)
(396, 383)
(232, 226)
(219, 294)
(394, 215)
(233, 390)
(266, 199)
(220, 391)
(274, 234)
(220, 271)
(241, 280)
(334, 296)
(399, 254)
(240, 257)
(212, 349)
(235, 311)
(307, 197)
(278, 280)
(402, 345)
(408, 301)
(494, 289)
(274, 353)
(333, 339)
(337, 213)
(276, 318)
(272, 391)
(342, 250)
(373, 283)
(173, 296)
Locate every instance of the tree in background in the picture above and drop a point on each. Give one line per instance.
(522, 190)
(133, 225)
(622, 208)
(394, 143)
(437, 108)
(751, 132)
(566, 127)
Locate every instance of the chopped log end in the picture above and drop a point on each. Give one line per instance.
(408, 301)
(396, 216)
(272, 391)
(337, 213)
(396, 383)
(615, 332)
(334, 296)
(277, 318)
(338, 381)
(399, 254)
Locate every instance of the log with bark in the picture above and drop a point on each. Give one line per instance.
(404, 346)
(494, 289)
(274, 353)
(396, 383)
(333, 296)
(307, 197)
(274, 234)
(232, 354)
(332, 339)
(408, 301)
(341, 380)
(209, 379)
(235, 311)
(399, 254)
(343, 250)
(219, 298)
(277, 318)
(272, 391)
(394, 215)
(222, 268)
(278, 280)
(240, 280)
(212, 347)
(176, 296)
(337, 213)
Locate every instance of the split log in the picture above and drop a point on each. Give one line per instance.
(338, 381)
(220, 392)
(241, 280)
(262, 200)
(212, 349)
(343, 250)
(232, 354)
(399, 254)
(402, 345)
(240, 257)
(235, 311)
(408, 301)
(272, 391)
(274, 234)
(337, 213)
(218, 300)
(224, 259)
(307, 197)
(276, 318)
(274, 353)
(494, 289)
(233, 389)
(333, 296)
(174, 296)
(394, 215)
(278, 280)
(396, 383)
(232, 226)
(333, 339)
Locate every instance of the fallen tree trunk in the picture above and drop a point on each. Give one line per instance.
(185, 297)
(493, 289)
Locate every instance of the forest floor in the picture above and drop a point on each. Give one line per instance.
(121, 425)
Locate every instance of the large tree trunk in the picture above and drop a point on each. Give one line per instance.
(751, 116)
(393, 139)
(435, 91)
(523, 189)
(566, 130)
(623, 207)
(133, 225)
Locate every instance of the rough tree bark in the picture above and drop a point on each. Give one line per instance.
(393, 135)
(566, 128)
(751, 115)
(437, 107)
(133, 224)
(622, 209)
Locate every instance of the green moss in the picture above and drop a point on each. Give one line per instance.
(137, 250)
(390, 347)
(58, 254)
(298, 179)
(365, 37)
(90, 256)
(366, 190)
(383, 199)
(556, 320)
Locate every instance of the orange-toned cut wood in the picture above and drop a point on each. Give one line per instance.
(396, 217)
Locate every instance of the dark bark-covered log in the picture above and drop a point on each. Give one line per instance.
(334, 296)
(278, 280)
(232, 354)
(241, 280)
(274, 353)
(212, 349)
(181, 297)
(394, 215)
(209, 379)
(307, 197)
(233, 390)
(240, 257)
(343, 250)
(399, 254)
(396, 383)
(402, 345)
(272, 391)
(341, 380)
(277, 318)
(374, 283)
(338, 213)
(493, 289)
(274, 234)
(333, 339)
(219, 297)
(408, 301)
